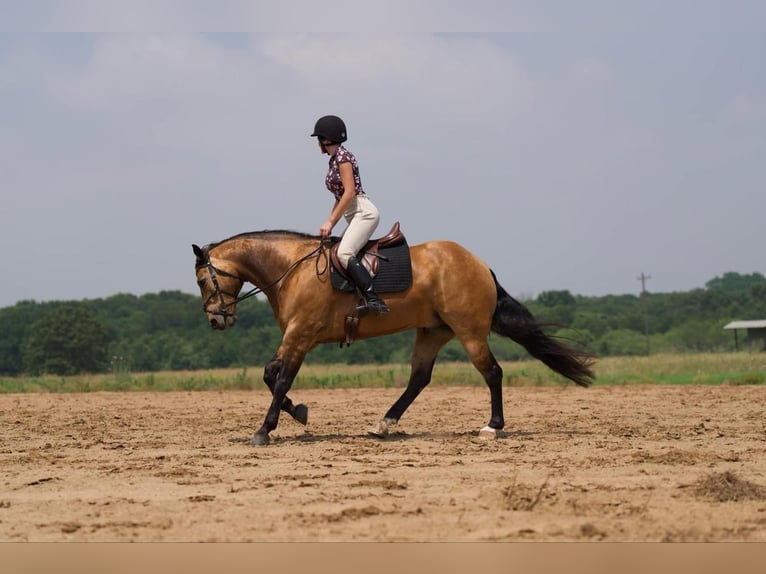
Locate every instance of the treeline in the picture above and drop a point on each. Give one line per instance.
(168, 330)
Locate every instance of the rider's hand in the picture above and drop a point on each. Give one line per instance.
(326, 228)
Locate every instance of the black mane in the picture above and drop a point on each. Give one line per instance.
(266, 234)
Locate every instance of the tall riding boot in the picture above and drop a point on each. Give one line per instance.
(361, 277)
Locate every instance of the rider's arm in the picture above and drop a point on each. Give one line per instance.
(340, 207)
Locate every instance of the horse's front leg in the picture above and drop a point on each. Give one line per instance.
(299, 412)
(290, 364)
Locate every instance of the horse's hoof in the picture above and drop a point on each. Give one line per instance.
(488, 433)
(260, 440)
(301, 414)
(382, 429)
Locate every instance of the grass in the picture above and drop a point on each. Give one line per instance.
(692, 369)
(697, 369)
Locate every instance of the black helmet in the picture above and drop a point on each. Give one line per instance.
(330, 128)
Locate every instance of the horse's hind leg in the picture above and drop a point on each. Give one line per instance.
(428, 342)
(482, 358)
(299, 412)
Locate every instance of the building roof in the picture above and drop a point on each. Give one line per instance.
(761, 324)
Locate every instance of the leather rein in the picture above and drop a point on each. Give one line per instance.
(214, 271)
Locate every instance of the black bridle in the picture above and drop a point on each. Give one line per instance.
(214, 271)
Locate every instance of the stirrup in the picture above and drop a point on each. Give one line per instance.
(375, 305)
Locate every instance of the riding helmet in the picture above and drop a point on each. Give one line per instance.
(330, 128)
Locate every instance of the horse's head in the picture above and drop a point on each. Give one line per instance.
(219, 290)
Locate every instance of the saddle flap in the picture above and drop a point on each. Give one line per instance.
(368, 255)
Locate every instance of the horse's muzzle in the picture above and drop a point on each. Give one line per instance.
(221, 322)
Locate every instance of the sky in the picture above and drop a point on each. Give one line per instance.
(570, 145)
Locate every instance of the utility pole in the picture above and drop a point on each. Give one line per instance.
(643, 278)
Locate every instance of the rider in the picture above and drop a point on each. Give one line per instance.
(351, 203)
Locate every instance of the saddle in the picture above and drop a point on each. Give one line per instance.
(369, 256)
(386, 258)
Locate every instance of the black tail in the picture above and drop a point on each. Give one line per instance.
(512, 319)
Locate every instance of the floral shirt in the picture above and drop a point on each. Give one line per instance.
(333, 181)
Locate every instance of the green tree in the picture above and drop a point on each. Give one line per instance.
(555, 307)
(66, 341)
(732, 282)
(556, 298)
(621, 342)
(14, 325)
(695, 336)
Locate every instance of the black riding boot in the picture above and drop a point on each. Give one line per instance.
(361, 277)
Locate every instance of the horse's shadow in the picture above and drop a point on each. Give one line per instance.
(393, 437)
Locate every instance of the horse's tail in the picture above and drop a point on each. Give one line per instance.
(512, 319)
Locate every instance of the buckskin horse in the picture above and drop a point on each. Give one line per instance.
(452, 294)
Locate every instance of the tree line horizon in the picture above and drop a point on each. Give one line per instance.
(168, 330)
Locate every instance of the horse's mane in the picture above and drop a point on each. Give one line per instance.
(267, 234)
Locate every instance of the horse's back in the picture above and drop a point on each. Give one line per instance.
(461, 284)
(449, 256)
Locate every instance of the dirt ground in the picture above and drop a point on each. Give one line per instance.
(633, 463)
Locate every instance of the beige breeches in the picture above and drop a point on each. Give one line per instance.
(362, 217)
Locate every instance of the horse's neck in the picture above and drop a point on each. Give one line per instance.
(262, 261)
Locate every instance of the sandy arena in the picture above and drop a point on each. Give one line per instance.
(633, 463)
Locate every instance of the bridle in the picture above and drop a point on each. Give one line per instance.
(214, 271)
(219, 293)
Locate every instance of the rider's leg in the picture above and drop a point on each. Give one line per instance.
(363, 218)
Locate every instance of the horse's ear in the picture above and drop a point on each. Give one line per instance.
(197, 251)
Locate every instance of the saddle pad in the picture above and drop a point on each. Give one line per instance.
(394, 271)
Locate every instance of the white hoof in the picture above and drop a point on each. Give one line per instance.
(488, 433)
(383, 428)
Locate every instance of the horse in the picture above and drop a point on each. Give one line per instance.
(452, 294)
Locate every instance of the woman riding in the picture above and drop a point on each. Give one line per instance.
(351, 203)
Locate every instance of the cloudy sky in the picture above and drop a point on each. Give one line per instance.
(593, 142)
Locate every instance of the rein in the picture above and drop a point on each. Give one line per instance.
(214, 271)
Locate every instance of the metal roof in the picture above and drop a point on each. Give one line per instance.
(746, 325)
